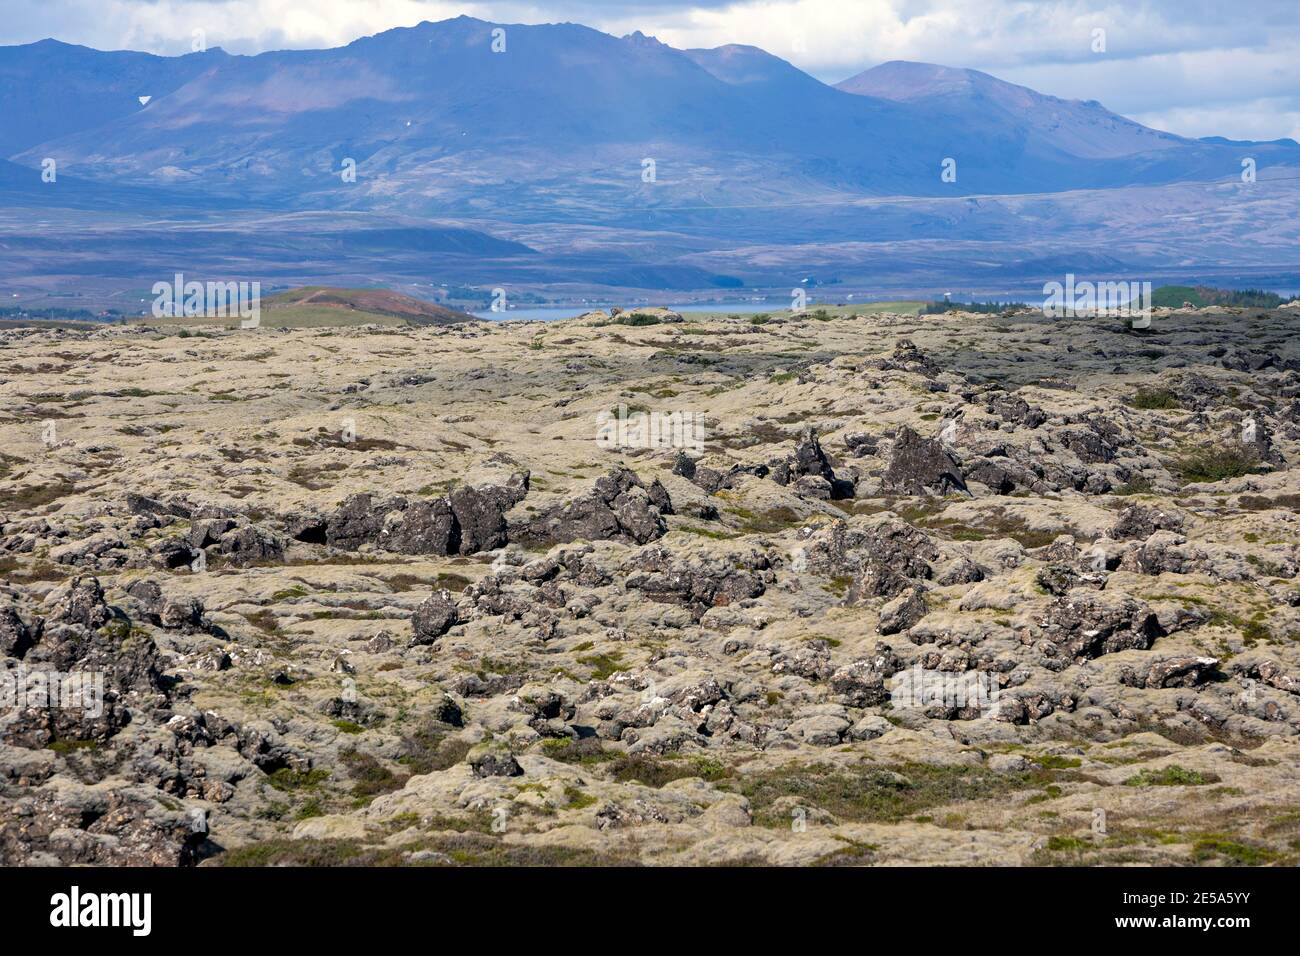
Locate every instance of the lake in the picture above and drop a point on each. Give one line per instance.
(551, 313)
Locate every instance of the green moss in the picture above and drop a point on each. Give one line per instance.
(1059, 844)
(429, 749)
(578, 799)
(371, 778)
(1050, 792)
(290, 780)
(1136, 486)
(37, 496)
(1253, 630)
(766, 522)
(636, 319)
(310, 808)
(1171, 776)
(839, 585)
(1218, 463)
(603, 665)
(657, 771)
(853, 853)
(708, 533)
(1056, 762)
(71, 746)
(1154, 398)
(1219, 846)
(871, 794)
(453, 848)
(265, 621)
(586, 751)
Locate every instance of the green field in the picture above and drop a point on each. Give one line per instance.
(813, 310)
(285, 317)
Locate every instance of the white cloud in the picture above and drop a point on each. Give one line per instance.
(1259, 119)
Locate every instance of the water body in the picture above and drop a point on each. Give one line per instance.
(552, 313)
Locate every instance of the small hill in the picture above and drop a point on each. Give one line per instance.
(326, 306)
(363, 304)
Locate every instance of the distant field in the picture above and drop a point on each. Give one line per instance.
(49, 324)
(863, 308)
(331, 316)
(287, 317)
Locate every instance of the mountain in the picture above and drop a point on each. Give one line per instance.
(739, 65)
(560, 122)
(577, 160)
(1084, 129)
(51, 89)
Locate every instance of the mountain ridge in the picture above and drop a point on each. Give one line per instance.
(414, 101)
(578, 159)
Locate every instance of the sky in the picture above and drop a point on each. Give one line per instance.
(1194, 67)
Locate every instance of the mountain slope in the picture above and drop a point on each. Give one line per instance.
(1078, 128)
(51, 89)
(557, 127)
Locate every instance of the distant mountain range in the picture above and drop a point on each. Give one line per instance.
(568, 128)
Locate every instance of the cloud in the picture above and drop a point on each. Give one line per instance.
(1263, 119)
(1185, 63)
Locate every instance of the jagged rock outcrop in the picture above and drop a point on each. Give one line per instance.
(467, 521)
(919, 466)
(1083, 624)
(619, 508)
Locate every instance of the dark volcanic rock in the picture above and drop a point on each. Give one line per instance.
(809, 459)
(355, 522)
(903, 613)
(1011, 408)
(87, 659)
(919, 465)
(862, 683)
(308, 527)
(885, 545)
(468, 521)
(1059, 579)
(1084, 624)
(619, 507)
(83, 826)
(495, 765)
(139, 504)
(434, 618)
(176, 614)
(1138, 522)
(250, 544)
(697, 584)
(172, 553)
(426, 526)
(16, 636)
(1170, 672)
(481, 513)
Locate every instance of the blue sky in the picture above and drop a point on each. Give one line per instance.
(1196, 67)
